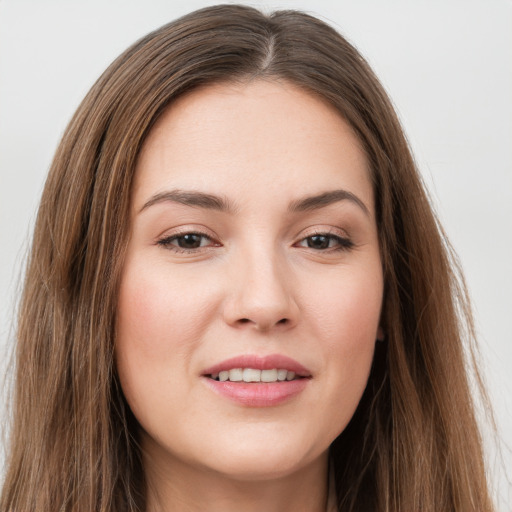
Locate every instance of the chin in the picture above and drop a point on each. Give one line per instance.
(263, 459)
(257, 470)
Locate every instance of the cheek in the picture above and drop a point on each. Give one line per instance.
(160, 313)
(345, 318)
(160, 321)
(346, 310)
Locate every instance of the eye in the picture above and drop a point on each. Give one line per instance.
(186, 242)
(326, 241)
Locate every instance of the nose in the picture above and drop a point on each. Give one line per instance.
(261, 295)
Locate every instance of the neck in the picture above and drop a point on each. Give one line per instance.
(177, 486)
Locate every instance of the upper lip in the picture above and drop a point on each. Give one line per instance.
(258, 362)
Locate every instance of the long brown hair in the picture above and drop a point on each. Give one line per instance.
(413, 443)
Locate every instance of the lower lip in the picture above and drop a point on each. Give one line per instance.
(258, 394)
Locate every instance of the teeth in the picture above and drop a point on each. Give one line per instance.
(251, 375)
(268, 375)
(254, 375)
(236, 375)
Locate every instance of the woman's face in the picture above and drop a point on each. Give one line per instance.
(253, 246)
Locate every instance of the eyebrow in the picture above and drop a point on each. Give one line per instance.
(325, 199)
(192, 198)
(222, 204)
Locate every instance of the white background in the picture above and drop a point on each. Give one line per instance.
(446, 64)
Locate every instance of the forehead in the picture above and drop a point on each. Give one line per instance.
(251, 138)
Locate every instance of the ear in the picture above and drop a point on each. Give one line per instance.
(380, 334)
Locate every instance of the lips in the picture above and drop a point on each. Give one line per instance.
(257, 393)
(269, 362)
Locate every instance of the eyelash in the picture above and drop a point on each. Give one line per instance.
(167, 242)
(343, 244)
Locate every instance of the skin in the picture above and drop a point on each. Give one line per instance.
(255, 285)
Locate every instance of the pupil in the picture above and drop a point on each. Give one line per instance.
(189, 241)
(318, 242)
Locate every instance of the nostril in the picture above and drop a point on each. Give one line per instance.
(283, 321)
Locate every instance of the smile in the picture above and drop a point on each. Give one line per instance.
(257, 381)
(255, 375)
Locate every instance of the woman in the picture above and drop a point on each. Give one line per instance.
(238, 295)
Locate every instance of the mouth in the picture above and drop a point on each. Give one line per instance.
(258, 381)
(255, 375)
(255, 368)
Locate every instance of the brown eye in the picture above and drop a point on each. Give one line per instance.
(318, 242)
(326, 242)
(186, 242)
(189, 241)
